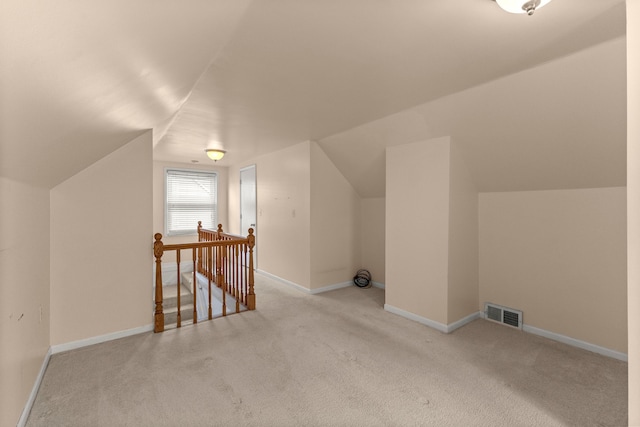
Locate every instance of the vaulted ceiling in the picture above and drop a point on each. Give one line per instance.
(535, 102)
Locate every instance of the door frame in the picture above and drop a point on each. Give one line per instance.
(255, 213)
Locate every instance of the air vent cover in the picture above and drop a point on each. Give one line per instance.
(503, 315)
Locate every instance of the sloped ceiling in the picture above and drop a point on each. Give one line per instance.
(561, 124)
(80, 79)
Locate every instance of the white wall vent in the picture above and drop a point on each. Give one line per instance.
(503, 315)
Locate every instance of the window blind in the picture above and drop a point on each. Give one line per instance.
(191, 196)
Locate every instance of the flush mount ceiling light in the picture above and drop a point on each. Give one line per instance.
(521, 6)
(215, 154)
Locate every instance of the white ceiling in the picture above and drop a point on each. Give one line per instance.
(79, 79)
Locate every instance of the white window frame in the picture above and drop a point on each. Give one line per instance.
(214, 202)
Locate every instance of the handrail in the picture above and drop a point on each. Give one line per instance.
(223, 259)
(204, 244)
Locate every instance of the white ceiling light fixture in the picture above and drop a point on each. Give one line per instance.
(521, 6)
(215, 154)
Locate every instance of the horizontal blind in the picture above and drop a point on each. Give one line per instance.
(191, 196)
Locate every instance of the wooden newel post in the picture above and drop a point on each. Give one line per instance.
(251, 298)
(219, 231)
(158, 250)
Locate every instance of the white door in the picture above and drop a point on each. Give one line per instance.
(248, 205)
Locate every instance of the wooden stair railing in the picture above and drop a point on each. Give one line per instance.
(223, 259)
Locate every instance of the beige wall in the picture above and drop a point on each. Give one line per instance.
(372, 211)
(335, 223)
(305, 206)
(283, 223)
(101, 259)
(633, 205)
(463, 240)
(24, 293)
(233, 196)
(417, 224)
(560, 257)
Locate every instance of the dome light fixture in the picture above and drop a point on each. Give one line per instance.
(521, 6)
(215, 154)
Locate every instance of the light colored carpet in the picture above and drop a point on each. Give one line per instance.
(335, 359)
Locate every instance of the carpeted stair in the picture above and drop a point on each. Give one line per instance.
(170, 304)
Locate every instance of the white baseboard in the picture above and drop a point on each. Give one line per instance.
(572, 342)
(34, 391)
(460, 323)
(302, 288)
(377, 285)
(284, 281)
(576, 343)
(59, 348)
(306, 290)
(526, 328)
(411, 316)
(446, 329)
(331, 288)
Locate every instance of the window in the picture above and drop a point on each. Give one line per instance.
(191, 196)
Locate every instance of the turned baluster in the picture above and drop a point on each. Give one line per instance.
(229, 272)
(211, 261)
(227, 269)
(236, 285)
(245, 264)
(195, 282)
(158, 249)
(218, 264)
(200, 249)
(178, 317)
(251, 297)
(209, 277)
(220, 279)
